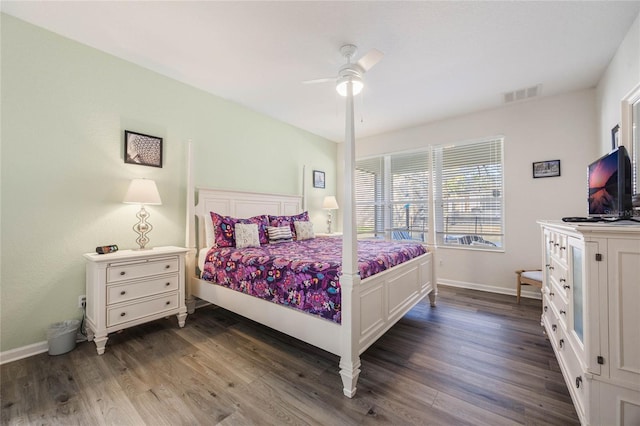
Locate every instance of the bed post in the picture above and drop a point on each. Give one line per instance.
(190, 236)
(350, 278)
(431, 243)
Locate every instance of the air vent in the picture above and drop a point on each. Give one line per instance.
(522, 94)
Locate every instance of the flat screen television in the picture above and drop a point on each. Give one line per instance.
(609, 180)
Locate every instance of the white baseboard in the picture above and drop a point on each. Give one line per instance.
(23, 352)
(491, 289)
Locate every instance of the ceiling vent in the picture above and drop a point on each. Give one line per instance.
(522, 94)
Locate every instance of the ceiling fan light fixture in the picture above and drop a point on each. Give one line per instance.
(341, 87)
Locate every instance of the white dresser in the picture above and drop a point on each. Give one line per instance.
(131, 287)
(591, 313)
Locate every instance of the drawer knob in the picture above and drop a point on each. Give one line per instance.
(551, 294)
(168, 284)
(122, 293)
(561, 342)
(554, 327)
(556, 244)
(566, 287)
(546, 308)
(122, 273)
(563, 312)
(562, 280)
(168, 302)
(578, 381)
(563, 248)
(167, 267)
(552, 268)
(123, 314)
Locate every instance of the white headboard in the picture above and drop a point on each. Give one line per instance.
(240, 205)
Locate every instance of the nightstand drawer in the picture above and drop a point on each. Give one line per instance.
(124, 292)
(130, 312)
(131, 270)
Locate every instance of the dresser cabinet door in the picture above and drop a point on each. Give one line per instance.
(624, 310)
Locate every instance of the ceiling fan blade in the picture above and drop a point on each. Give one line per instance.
(370, 59)
(320, 80)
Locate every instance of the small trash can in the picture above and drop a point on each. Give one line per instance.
(62, 336)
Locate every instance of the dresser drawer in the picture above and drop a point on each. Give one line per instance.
(119, 314)
(135, 290)
(558, 274)
(577, 382)
(559, 306)
(118, 272)
(558, 246)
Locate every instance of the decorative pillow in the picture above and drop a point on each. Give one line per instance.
(247, 235)
(279, 234)
(224, 228)
(289, 220)
(304, 230)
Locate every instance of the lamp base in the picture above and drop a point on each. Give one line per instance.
(142, 228)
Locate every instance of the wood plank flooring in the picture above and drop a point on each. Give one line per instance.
(475, 359)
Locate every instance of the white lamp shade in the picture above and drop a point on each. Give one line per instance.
(341, 87)
(142, 191)
(330, 203)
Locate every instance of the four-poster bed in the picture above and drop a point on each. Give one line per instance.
(369, 307)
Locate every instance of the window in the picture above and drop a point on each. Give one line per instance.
(468, 197)
(369, 198)
(392, 195)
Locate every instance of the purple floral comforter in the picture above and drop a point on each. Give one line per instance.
(301, 274)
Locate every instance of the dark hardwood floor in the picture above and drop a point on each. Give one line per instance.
(475, 359)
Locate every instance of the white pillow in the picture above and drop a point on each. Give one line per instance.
(247, 235)
(304, 230)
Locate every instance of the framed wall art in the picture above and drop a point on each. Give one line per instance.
(318, 179)
(615, 137)
(142, 149)
(542, 169)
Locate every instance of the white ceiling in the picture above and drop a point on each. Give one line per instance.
(441, 58)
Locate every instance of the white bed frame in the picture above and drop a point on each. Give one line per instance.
(369, 307)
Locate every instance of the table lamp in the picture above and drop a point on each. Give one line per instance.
(143, 192)
(329, 204)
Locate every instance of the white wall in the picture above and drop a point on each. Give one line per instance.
(555, 128)
(622, 75)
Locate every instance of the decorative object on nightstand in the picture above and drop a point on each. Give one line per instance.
(143, 192)
(329, 204)
(132, 287)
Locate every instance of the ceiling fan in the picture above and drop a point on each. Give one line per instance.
(351, 71)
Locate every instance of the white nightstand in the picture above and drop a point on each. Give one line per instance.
(131, 287)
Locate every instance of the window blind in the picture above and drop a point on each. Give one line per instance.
(369, 197)
(409, 195)
(469, 196)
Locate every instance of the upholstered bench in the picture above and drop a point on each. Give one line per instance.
(527, 277)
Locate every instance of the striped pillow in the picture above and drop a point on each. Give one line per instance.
(279, 234)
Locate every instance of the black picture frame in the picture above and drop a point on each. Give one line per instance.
(318, 179)
(544, 169)
(141, 149)
(615, 137)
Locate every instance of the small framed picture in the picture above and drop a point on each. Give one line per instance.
(318, 179)
(615, 135)
(142, 149)
(542, 169)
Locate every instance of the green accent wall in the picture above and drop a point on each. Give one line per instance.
(64, 109)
